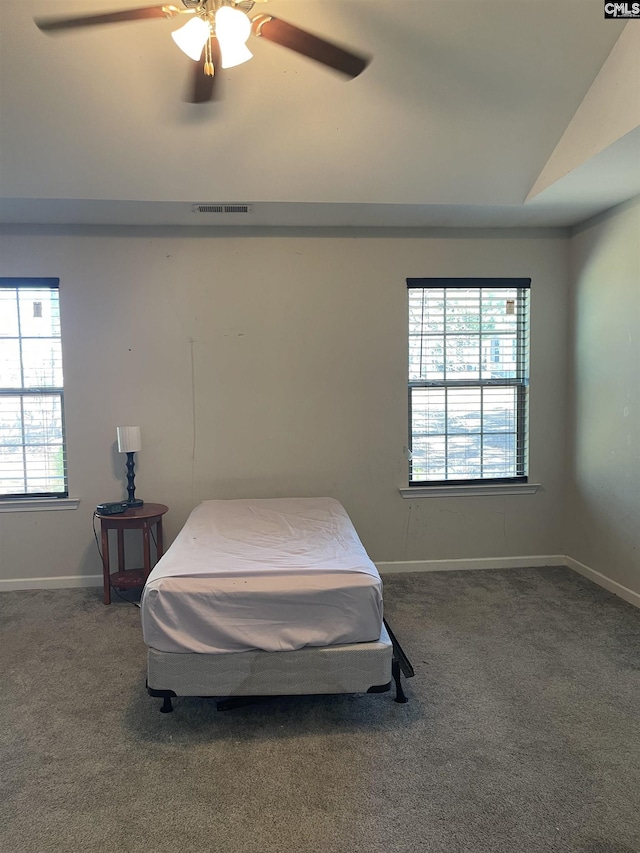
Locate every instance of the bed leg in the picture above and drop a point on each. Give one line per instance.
(165, 695)
(395, 671)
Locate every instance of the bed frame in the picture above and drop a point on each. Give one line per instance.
(246, 677)
(263, 538)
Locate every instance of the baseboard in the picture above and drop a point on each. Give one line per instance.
(535, 561)
(603, 581)
(60, 582)
(386, 568)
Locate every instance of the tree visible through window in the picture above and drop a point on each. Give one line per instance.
(468, 379)
(32, 446)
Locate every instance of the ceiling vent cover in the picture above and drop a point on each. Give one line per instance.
(220, 207)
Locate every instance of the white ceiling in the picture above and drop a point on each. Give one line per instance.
(466, 107)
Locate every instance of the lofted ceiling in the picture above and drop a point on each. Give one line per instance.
(472, 113)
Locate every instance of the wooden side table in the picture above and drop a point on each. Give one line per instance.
(135, 518)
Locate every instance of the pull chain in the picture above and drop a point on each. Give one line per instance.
(208, 60)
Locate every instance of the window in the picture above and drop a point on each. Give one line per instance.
(32, 446)
(468, 380)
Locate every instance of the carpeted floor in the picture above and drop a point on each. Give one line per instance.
(521, 735)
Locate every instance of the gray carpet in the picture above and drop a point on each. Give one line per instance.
(522, 733)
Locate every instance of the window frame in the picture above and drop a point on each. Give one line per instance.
(479, 485)
(15, 499)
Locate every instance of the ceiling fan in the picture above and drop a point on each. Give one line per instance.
(215, 35)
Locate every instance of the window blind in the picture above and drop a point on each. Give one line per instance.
(32, 443)
(468, 379)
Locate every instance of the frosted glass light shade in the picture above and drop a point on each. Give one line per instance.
(128, 439)
(233, 28)
(192, 38)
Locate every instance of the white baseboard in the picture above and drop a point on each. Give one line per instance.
(535, 561)
(469, 565)
(603, 581)
(386, 568)
(60, 582)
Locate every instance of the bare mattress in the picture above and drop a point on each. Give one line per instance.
(274, 574)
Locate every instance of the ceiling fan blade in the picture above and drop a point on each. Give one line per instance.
(205, 87)
(300, 41)
(52, 24)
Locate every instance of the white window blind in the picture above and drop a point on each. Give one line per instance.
(32, 445)
(468, 380)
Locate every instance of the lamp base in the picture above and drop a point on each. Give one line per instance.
(132, 501)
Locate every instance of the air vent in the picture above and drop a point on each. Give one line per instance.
(218, 207)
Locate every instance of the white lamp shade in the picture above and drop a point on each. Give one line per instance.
(192, 38)
(128, 439)
(233, 28)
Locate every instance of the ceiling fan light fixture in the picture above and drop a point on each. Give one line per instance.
(233, 28)
(192, 37)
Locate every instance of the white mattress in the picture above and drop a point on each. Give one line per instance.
(269, 574)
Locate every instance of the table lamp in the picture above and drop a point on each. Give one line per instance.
(129, 443)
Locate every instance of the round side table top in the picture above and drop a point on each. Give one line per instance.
(144, 511)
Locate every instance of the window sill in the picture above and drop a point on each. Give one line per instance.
(38, 504)
(497, 489)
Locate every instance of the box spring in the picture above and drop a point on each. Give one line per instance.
(351, 668)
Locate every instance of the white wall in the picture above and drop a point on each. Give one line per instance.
(603, 505)
(270, 364)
